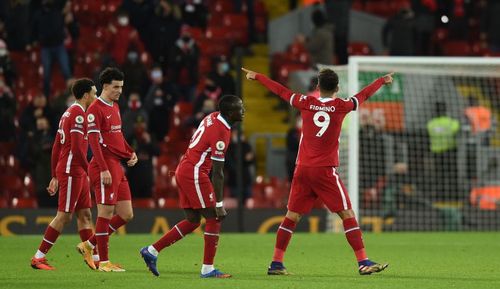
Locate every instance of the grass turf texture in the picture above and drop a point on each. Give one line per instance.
(417, 260)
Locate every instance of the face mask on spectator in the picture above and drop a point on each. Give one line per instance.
(223, 67)
(3, 52)
(132, 56)
(123, 21)
(156, 75)
(134, 104)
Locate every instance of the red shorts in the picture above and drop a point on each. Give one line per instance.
(310, 183)
(74, 193)
(195, 188)
(119, 189)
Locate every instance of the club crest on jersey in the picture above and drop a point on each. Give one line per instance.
(79, 119)
(220, 145)
(90, 117)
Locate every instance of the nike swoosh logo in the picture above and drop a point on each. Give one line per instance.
(108, 116)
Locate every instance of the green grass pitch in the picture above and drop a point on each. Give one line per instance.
(417, 260)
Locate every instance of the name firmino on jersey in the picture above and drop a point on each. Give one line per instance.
(322, 108)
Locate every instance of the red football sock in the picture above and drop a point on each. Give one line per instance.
(49, 238)
(85, 234)
(102, 237)
(178, 232)
(211, 236)
(283, 237)
(355, 239)
(115, 223)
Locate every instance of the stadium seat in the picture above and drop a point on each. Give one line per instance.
(359, 48)
(456, 48)
(143, 203)
(221, 7)
(24, 203)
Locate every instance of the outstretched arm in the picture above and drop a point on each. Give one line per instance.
(369, 90)
(270, 84)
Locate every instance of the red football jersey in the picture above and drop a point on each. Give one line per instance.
(72, 121)
(105, 119)
(209, 142)
(321, 121)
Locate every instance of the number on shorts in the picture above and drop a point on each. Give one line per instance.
(322, 124)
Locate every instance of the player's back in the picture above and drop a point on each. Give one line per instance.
(321, 126)
(209, 142)
(72, 121)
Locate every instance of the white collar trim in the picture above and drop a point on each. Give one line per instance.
(103, 101)
(326, 99)
(76, 103)
(219, 117)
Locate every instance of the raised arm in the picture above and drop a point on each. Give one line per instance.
(270, 84)
(369, 90)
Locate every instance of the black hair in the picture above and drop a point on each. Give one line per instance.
(81, 86)
(328, 80)
(109, 74)
(227, 103)
(318, 18)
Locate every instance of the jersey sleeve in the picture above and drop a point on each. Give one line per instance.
(93, 120)
(56, 149)
(77, 124)
(219, 142)
(366, 92)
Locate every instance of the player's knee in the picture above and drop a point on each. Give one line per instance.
(64, 218)
(85, 216)
(293, 216)
(128, 217)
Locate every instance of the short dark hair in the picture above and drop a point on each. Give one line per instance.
(318, 18)
(109, 74)
(81, 86)
(328, 80)
(227, 102)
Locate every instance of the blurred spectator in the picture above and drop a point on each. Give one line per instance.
(398, 34)
(194, 13)
(490, 23)
(312, 89)
(338, 12)
(247, 166)
(208, 106)
(133, 114)
(210, 91)
(371, 156)
(292, 146)
(123, 36)
(136, 74)
(159, 102)
(397, 191)
(39, 153)
(424, 24)
(36, 109)
(7, 113)
(16, 18)
(63, 100)
(72, 35)
(140, 13)
(183, 65)
(163, 31)
(320, 43)
(49, 32)
(443, 130)
(7, 69)
(140, 176)
(221, 75)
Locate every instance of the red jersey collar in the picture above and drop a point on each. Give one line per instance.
(219, 117)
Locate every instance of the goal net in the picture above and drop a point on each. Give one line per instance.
(424, 153)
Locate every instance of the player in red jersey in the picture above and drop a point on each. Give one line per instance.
(107, 176)
(200, 196)
(316, 174)
(69, 173)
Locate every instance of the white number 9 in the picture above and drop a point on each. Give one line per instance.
(323, 124)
